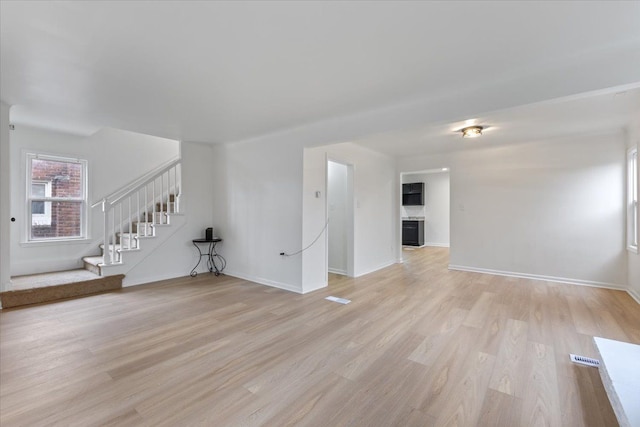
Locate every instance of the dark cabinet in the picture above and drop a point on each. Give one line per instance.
(413, 233)
(413, 194)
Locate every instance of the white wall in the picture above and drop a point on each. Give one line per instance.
(437, 202)
(5, 197)
(375, 215)
(177, 255)
(257, 189)
(115, 158)
(337, 199)
(549, 208)
(260, 205)
(314, 259)
(436, 206)
(633, 260)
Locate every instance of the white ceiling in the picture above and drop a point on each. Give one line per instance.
(607, 112)
(226, 71)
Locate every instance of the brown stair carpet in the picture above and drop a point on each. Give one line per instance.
(20, 297)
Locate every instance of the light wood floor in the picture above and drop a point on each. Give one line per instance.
(418, 346)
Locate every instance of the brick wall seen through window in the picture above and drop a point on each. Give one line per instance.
(57, 197)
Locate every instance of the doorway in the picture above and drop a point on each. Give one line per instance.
(340, 214)
(432, 213)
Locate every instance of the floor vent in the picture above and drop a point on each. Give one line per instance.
(340, 300)
(584, 360)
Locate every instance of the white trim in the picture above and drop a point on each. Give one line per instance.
(540, 277)
(634, 294)
(148, 280)
(56, 158)
(57, 241)
(436, 244)
(425, 171)
(380, 267)
(336, 271)
(315, 288)
(28, 155)
(633, 228)
(263, 281)
(6, 188)
(45, 217)
(258, 281)
(350, 215)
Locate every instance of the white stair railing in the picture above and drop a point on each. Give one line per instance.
(146, 202)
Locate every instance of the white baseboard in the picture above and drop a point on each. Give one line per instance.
(315, 287)
(336, 271)
(634, 294)
(592, 283)
(263, 281)
(436, 244)
(380, 267)
(146, 280)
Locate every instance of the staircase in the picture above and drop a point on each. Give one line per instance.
(133, 217)
(136, 219)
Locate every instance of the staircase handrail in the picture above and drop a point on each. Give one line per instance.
(137, 183)
(141, 198)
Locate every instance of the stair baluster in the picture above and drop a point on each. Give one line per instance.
(112, 238)
(137, 216)
(146, 210)
(153, 197)
(119, 221)
(161, 195)
(129, 228)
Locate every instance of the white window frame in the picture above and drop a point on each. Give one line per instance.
(632, 200)
(30, 156)
(44, 218)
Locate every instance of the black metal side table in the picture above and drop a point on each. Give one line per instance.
(212, 256)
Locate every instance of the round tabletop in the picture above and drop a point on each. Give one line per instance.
(214, 240)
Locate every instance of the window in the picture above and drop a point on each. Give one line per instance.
(41, 211)
(56, 198)
(632, 199)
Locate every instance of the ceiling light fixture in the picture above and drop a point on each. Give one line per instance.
(471, 131)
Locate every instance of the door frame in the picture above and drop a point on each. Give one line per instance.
(442, 169)
(350, 215)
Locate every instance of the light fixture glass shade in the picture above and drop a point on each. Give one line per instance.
(471, 131)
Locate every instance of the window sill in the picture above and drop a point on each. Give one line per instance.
(633, 249)
(49, 242)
